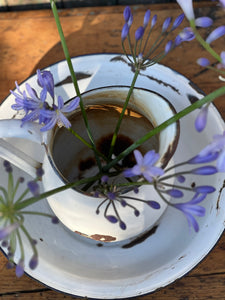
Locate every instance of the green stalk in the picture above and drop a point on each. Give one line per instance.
(113, 142)
(73, 76)
(207, 99)
(32, 200)
(205, 45)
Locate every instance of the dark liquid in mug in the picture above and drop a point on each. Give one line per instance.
(74, 160)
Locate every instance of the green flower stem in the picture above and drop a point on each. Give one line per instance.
(73, 76)
(205, 45)
(207, 99)
(113, 142)
(161, 196)
(125, 52)
(174, 186)
(22, 195)
(20, 244)
(30, 240)
(32, 200)
(215, 70)
(10, 187)
(130, 47)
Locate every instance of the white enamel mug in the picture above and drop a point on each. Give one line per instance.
(76, 210)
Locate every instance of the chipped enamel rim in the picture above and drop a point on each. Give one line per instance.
(89, 269)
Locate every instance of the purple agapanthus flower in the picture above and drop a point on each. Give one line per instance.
(191, 209)
(23, 102)
(56, 116)
(145, 166)
(216, 147)
(187, 34)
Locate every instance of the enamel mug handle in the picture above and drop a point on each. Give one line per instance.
(29, 131)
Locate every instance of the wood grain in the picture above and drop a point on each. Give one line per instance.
(29, 40)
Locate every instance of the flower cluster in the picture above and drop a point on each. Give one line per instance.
(142, 52)
(37, 108)
(12, 215)
(148, 173)
(187, 7)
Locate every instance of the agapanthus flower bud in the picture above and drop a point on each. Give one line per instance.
(204, 189)
(201, 120)
(126, 13)
(136, 213)
(206, 170)
(123, 225)
(46, 81)
(33, 262)
(123, 202)
(187, 7)
(168, 46)
(222, 64)
(4, 243)
(175, 193)
(178, 40)
(39, 172)
(104, 179)
(153, 204)
(111, 195)
(55, 220)
(139, 33)
(112, 219)
(8, 167)
(203, 22)
(199, 159)
(125, 31)
(130, 21)
(146, 18)
(154, 20)
(203, 62)
(166, 24)
(180, 178)
(33, 187)
(177, 21)
(20, 268)
(215, 34)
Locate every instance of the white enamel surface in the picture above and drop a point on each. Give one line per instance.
(76, 265)
(29, 131)
(78, 212)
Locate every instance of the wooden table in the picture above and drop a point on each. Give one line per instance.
(29, 40)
